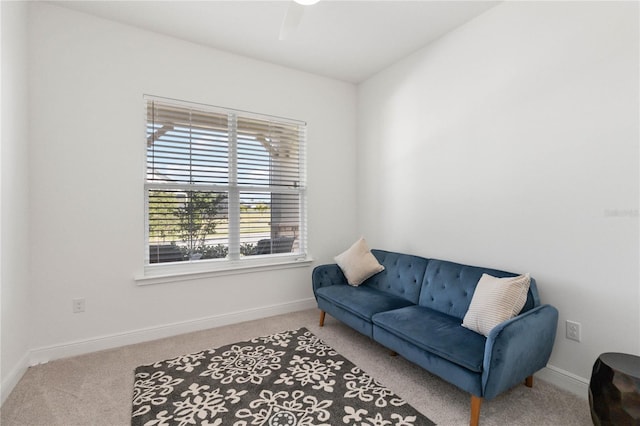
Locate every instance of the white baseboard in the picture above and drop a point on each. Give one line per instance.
(79, 347)
(557, 376)
(13, 378)
(565, 380)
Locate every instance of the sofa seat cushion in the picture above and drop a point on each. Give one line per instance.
(361, 301)
(435, 332)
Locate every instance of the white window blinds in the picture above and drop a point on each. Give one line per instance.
(222, 184)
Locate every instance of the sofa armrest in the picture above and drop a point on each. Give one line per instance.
(326, 275)
(517, 348)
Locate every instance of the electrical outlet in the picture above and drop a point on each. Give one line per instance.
(573, 330)
(78, 305)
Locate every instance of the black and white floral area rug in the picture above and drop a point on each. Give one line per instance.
(285, 379)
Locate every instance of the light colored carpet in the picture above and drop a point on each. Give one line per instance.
(96, 389)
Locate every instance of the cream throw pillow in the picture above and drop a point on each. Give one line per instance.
(495, 300)
(357, 263)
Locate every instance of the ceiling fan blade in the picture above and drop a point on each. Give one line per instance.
(291, 20)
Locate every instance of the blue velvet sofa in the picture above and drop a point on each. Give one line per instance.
(415, 307)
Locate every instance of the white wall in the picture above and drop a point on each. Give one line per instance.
(14, 226)
(88, 77)
(512, 142)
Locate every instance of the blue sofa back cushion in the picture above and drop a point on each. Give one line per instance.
(448, 287)
(402, 276)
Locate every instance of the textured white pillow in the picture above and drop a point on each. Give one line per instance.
(357, 263)
(495, 300)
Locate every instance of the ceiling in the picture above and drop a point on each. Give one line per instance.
(345, 40)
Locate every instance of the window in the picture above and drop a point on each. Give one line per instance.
(222, 186)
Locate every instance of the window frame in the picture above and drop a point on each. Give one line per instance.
(234, 263)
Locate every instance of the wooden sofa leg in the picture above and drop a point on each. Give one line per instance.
(476, 402)
(529, 381)
(322, 313)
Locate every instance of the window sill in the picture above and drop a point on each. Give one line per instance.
(162, 274)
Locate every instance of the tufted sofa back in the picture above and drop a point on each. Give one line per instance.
(402, 276)
(448, 287)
